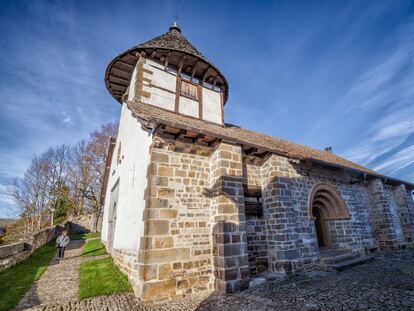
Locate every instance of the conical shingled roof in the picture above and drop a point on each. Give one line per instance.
(169, 47)
(173, 40)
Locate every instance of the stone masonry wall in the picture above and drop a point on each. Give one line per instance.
(255, 225)
(291, 242)
(228, 218)
(12, 254)
(291, 234)
(395, 212)
(405, 210)
(383, 215)
(196, 234)
(175, 254)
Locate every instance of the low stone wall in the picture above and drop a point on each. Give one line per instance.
(14, 253)
(82, 223)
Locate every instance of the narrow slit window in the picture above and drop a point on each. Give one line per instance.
(189, 90)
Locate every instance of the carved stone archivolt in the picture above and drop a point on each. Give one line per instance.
(329, 201)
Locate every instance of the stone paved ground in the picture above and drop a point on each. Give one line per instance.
(60, 281)
(387, 283)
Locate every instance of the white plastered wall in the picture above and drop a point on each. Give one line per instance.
(188, 107)
(159, 83)
(212, 106)
(131, 172)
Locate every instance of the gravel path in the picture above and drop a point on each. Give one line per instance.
(60, 281)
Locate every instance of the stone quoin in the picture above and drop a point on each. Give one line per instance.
(195, 204)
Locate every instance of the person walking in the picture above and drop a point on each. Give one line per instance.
(61, 242)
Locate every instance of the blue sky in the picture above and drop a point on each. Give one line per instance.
(332, 73)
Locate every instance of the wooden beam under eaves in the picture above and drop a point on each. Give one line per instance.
(194, 69)
(126, 64)
(167, 58)
(180, 65)
(250, 151)
(111, 75)
(118, 84)
(204, 75)
(180, 134)
(215, 81)
(198, 138)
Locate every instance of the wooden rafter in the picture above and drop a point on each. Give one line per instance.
(204, 75)
(194, 69)
(215, 81)
(180, 65)
(180, 134)
(198, 138)
(126, 64)
(167, 60)
(118, 77)
(250, 151)
(118, 84)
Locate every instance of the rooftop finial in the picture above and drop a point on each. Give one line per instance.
(175, 26)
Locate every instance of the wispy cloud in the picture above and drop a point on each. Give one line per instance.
(322, 74)
(385, 96)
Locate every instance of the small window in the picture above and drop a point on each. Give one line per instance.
(189, 90)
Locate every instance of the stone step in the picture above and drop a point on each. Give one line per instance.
(326, 252)
(340, 258)
(351, 263)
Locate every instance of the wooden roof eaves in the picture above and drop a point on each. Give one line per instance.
(152, 122)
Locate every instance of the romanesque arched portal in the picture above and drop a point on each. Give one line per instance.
(325, 204)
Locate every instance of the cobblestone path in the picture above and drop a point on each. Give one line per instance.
(59, 283)
(387, 283)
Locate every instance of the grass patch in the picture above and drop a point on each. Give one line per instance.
(93, 248)
(101, 277)
(16, 281)
(84, 236)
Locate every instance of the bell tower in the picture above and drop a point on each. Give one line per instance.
(170, 73)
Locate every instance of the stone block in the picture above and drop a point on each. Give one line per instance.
(158, 227)
(159, 157)
(163, 242)
(153, 290)
(165, 171)
(148, 272)
(165, 271)
(166, 192)
(168, 214)
(165, 255)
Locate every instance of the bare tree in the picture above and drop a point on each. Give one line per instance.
(68, 179)
(98, 151)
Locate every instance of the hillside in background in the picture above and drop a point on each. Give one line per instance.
(6, 221)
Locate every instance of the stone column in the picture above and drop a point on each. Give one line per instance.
(405, 208)
(280, 214)
(158, 250)
(384, 228)
(228, 219)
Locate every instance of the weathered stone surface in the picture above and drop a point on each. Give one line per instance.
(158, 227)
(12, 254)
(195, 215)
(165, 255)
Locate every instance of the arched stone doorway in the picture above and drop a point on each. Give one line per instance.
(325, 204)
(322, 230)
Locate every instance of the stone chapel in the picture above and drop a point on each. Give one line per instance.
(195, 204)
